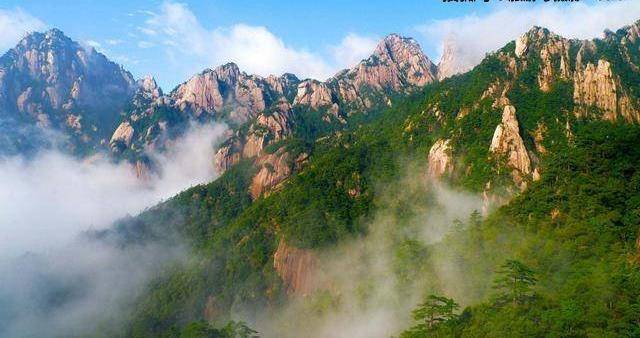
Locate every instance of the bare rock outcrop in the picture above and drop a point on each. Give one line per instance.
(550, 47)
(597, 86)
(452, 62)
(508, 142)
(397, 65)
(314, 94)
(123, 134)
(51, 81)
(228, 91)
(440, 161)
(273, 169)
(296, 267)
(267, 128)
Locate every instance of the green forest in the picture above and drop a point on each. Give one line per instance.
(559, 258)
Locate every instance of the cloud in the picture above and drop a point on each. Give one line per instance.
(352, 49)
(14, 24)
(475, 35)
(114, 42)
(145, 44)
(362, 291)
(71, 195)
(54, 282)
(254, 48)
(93, 43)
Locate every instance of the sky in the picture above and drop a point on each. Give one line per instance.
(174, 40)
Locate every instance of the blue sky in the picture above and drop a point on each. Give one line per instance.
(173, 40)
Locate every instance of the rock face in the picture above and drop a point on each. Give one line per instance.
(597, 89)
(508, 142)
(314, 94)
(123, 135)
(296, 267)
(440, 162)
(396, 65)
(268, 127)
(451, 62)
(52, 81)
(273, 169)
(597, 86)
(226, 92)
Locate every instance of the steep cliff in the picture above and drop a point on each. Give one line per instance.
(507, 142)
(439, 159)
(51, 81)
(296, 267)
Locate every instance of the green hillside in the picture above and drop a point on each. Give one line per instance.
(574, 227)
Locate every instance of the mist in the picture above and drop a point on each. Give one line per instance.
(54, 281)
(368, 286)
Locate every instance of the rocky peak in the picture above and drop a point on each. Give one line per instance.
(395, 62)
(398, 48)
(535, 37)
(149, 86)
(231, 93)
(632, 32)
(228, 72)
(451, 62)
(507, 142)
(314, 94)
(50, 80)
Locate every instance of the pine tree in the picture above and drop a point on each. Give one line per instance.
(435, 310)
(515, 282)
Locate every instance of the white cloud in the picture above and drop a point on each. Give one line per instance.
(254, 48)
(15, 24)
(145, 44)
(147, 31)
(93, 43)
(71, 195)
(352, 49)
(476, 35)
(114, 42)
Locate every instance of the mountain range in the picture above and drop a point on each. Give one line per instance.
(544, 131)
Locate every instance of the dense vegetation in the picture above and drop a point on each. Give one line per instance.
(568, 241)
(576, 228)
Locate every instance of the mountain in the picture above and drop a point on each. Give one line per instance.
(51, 85)
(266, 110)
(50, 81)
(544, 131)
(346, 203)
(452, 61)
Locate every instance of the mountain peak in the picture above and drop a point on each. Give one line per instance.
(536, 36)
(55, 32)
(395, 45)
(148, 85)
(452, 61)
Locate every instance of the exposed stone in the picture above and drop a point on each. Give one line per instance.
(49, 80)
(538, 138)
(439, 159)
(314, 94)
(508, 142)
(268, 127)
(296, 267)
(124, 134)
(522, 45)
(451, 62)
(227, 88)
(274, 168)
(596, 86)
